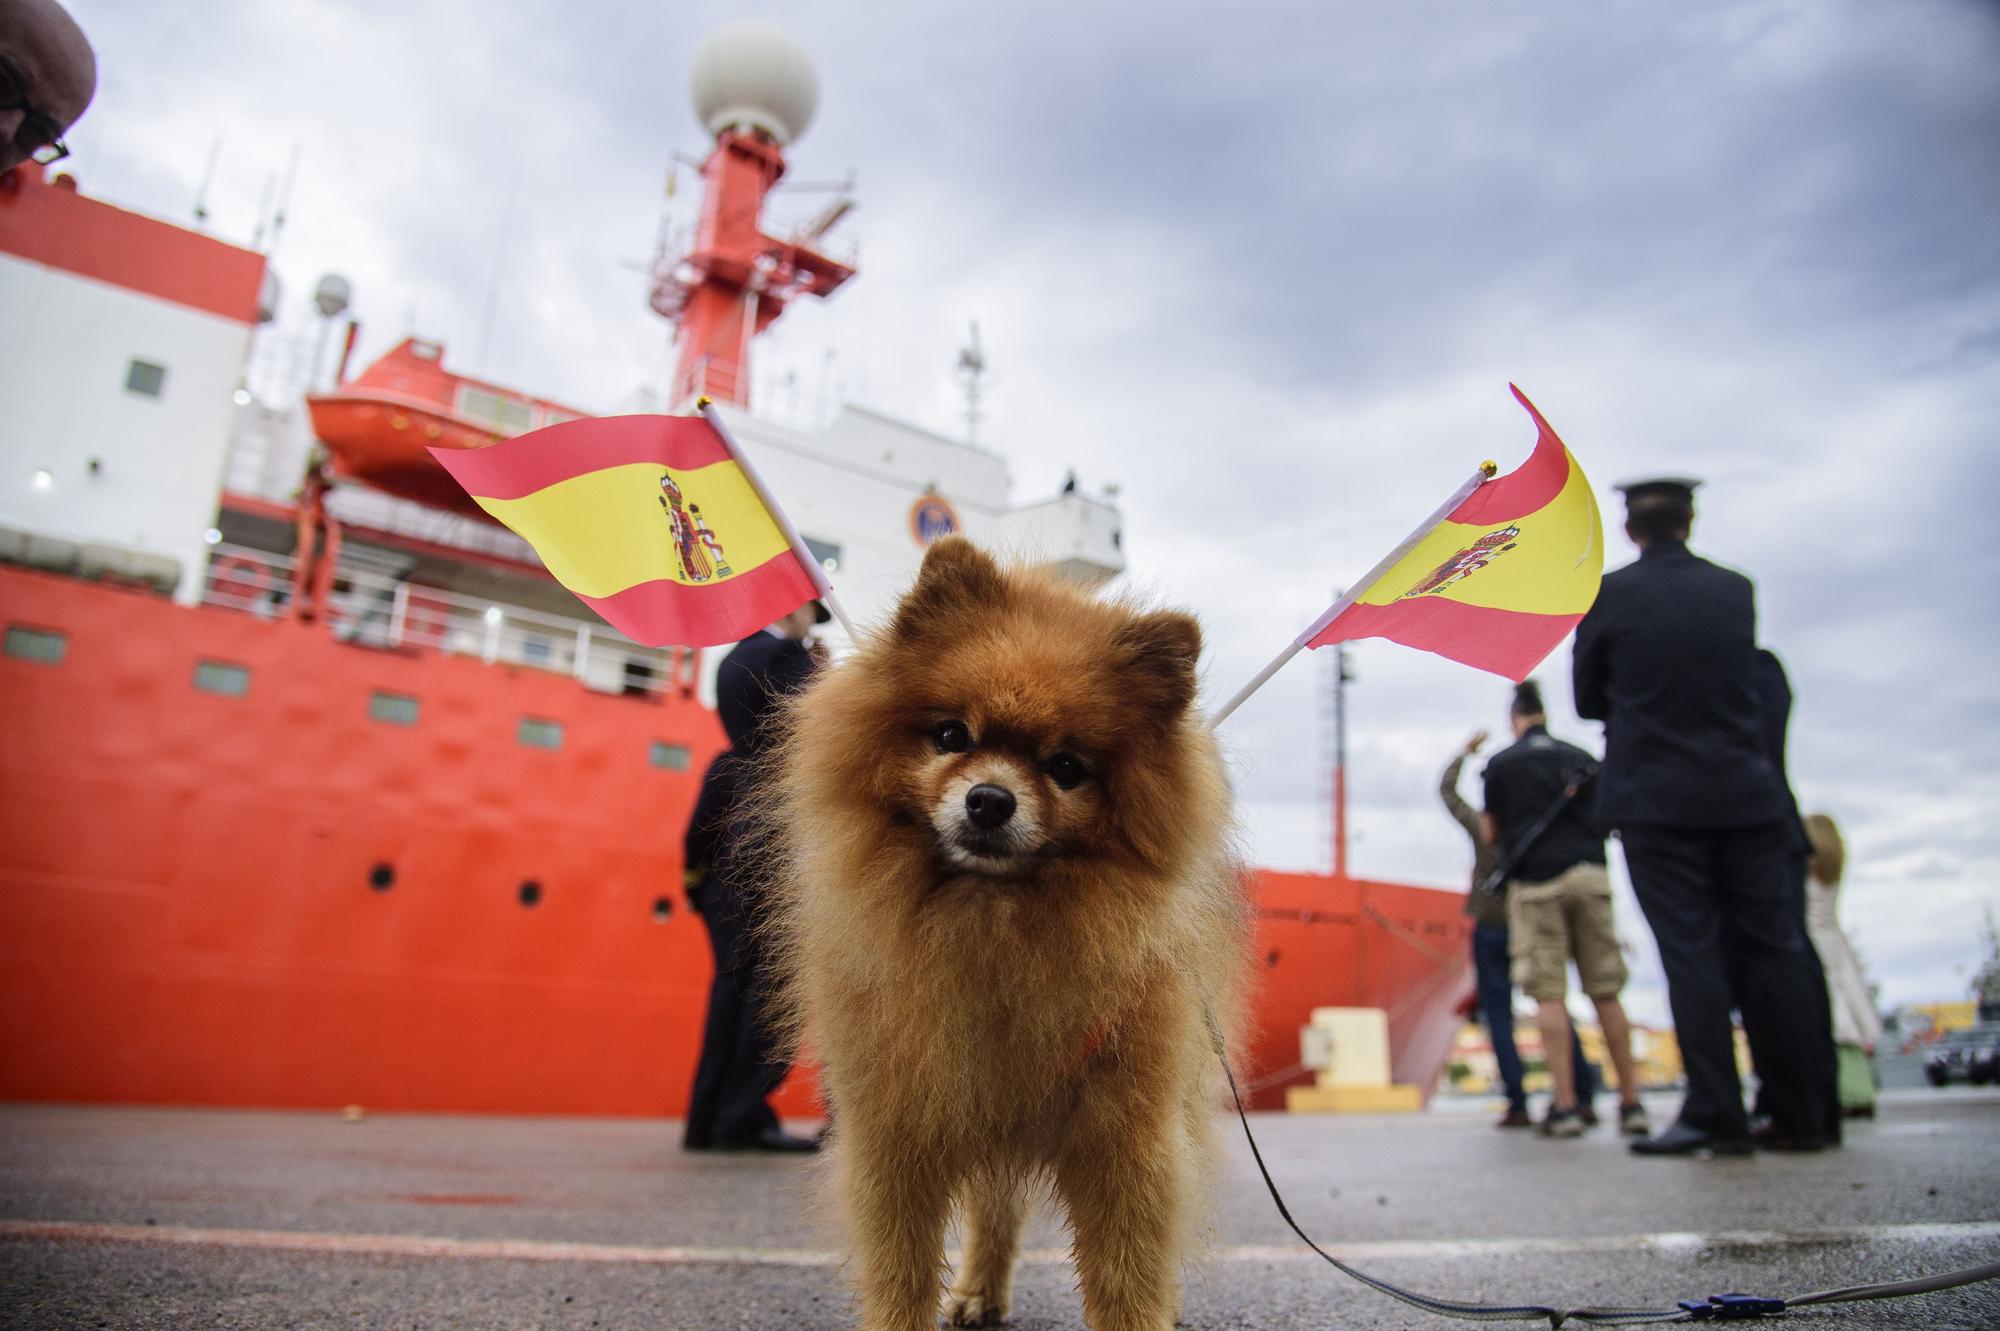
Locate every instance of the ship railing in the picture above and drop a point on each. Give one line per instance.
(379, 608)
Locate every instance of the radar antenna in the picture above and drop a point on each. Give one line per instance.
(972, 380)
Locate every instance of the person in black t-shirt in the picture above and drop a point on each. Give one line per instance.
(1559, 902)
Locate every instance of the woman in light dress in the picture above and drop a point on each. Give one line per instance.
(1856, 1024)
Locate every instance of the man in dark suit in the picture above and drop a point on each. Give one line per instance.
(1666, 658)
(739, 1069)
(1774, 703)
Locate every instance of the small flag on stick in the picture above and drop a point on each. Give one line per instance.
(1495, 578)
(655, 522)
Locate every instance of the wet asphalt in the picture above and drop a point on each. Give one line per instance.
(149, 1218)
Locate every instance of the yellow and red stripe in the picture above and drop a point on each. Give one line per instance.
(1502, 579)
(588, 496)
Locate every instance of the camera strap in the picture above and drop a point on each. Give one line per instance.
(1496, 882)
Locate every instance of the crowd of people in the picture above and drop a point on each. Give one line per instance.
(1737, 887)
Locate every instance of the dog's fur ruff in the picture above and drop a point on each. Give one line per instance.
(1001, 1010)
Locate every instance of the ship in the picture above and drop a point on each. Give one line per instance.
(320, 792)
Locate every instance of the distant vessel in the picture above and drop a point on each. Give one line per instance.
(320, 791)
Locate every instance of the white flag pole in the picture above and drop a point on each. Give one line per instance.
(1346, 598)
(770, 502)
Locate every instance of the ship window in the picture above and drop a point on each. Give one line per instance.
(396, 708)
(39, 645)
(231, 681)
(671, 757)
(639, 676)
(531, 893)
(539, 734)
(663, 910)
(494, 411)
(145, 378)
(826, 552)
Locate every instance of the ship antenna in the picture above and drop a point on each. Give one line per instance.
(263, 210)
(499, 267)
(207, 179)
(284, 197)
(972, 379)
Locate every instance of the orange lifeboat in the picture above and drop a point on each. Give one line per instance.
(379, 426)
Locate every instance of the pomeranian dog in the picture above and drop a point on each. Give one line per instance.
(1006, 896)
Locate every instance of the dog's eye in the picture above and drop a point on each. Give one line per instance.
(1066, 770)
(952, 737)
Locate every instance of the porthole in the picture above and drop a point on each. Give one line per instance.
(382, 877)
(396, 709)
(220, 677)
(43, 646)
(663, 910)
(539, 734)
(531, 893)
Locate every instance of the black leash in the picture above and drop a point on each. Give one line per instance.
(1716, 1307)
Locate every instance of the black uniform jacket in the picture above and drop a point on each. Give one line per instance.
(753, 680)
(1666, 658)
(750, 685)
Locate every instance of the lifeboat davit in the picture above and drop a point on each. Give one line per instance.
(378, 427)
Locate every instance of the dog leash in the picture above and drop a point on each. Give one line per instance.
(1716, 1307)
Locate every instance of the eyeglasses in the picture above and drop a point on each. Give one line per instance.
(39, 135)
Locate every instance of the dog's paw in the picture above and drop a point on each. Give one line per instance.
(973, 1308)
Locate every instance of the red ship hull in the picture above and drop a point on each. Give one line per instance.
(192, 911)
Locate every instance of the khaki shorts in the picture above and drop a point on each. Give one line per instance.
(1568, 916)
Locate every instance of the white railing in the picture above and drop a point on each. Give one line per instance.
(374, 609)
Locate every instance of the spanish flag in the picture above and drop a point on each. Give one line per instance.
(653, 521)
(1497, 582)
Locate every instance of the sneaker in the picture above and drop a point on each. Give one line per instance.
(1588, 1112)
(1632, 1120)
(1563, 1123)
(1515, 1118)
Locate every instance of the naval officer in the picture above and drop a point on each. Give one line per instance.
(740, 1067)
(1666, 658)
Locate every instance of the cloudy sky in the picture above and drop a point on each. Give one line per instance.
(1269, 269)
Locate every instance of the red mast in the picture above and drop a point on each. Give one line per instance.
(755, 90)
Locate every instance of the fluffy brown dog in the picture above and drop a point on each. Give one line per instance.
(1007, 893)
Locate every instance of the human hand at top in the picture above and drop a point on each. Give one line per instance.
(1472, 745)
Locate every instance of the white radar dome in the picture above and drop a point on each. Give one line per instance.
(754, 76)
(332, 295)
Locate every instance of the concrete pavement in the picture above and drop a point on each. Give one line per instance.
(221, 1219)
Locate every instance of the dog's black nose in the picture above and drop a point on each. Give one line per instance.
(989, 806)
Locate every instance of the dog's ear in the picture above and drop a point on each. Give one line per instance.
(1156, 656)
(956, 580)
